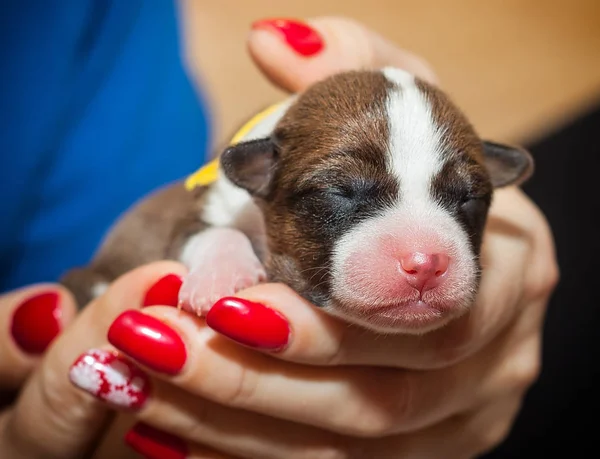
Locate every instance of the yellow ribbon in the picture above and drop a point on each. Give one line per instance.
(208, 173)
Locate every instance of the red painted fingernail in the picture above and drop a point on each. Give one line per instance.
(149, 341)
(154, 443)
(164, 292)
(249, 323)
(110, 378)
(301, 37)
(36, 322)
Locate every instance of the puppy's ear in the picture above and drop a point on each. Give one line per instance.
(251, 165)
(507, 165)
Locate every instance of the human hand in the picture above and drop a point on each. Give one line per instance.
(320, 388)
(49, 418)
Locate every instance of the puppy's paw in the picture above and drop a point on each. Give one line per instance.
(222, 262)
(202, 288)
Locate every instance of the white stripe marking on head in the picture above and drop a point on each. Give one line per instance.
(415, 140)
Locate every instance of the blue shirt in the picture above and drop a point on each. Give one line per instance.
(96, 112)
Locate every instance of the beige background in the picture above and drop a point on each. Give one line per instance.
(518, 68)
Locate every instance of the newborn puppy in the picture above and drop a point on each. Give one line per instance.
(367, 194)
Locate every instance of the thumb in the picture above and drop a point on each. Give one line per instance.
(294, 54)
(30, 319)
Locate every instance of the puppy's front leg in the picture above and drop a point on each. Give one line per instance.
(221, 262)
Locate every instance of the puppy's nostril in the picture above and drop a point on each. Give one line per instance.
(424, 270)
(440, 263)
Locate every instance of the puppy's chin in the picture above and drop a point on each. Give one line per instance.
(410, 316)
(414, 315)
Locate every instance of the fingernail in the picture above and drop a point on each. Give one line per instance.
(110, 378)
(249, 323)
(153, 443)
(149, 341)
(164, 292)
(305, 40)
(36, 322)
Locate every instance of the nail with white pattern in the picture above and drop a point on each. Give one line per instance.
(111, 378)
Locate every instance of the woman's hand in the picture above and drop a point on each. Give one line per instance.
(50, 418)
(313, 387)
(332, 391)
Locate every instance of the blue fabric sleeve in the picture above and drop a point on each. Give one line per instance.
(96, 112)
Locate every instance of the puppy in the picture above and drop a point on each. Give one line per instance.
(367, 194)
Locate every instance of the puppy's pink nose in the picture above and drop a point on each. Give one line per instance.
(424, 271)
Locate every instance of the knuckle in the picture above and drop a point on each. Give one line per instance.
(526, 369)
(62, 408)
(336, 353)
(494, 424)
(543, 281)
(371, 425)
(493, 436)
(544, 274)
(552, 277)
(518, 370)
(53, 400)
(240, 390)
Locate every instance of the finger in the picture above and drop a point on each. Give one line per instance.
(294, 54)
(126, 435)
(512, 208)
(30, 318)
(317, 338)
(236, 433)
(51, 418)
(240, 433)
(347, 400)
(154, 443)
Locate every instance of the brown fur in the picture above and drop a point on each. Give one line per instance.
(331, 142)
(332, 134)
(154, 229)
